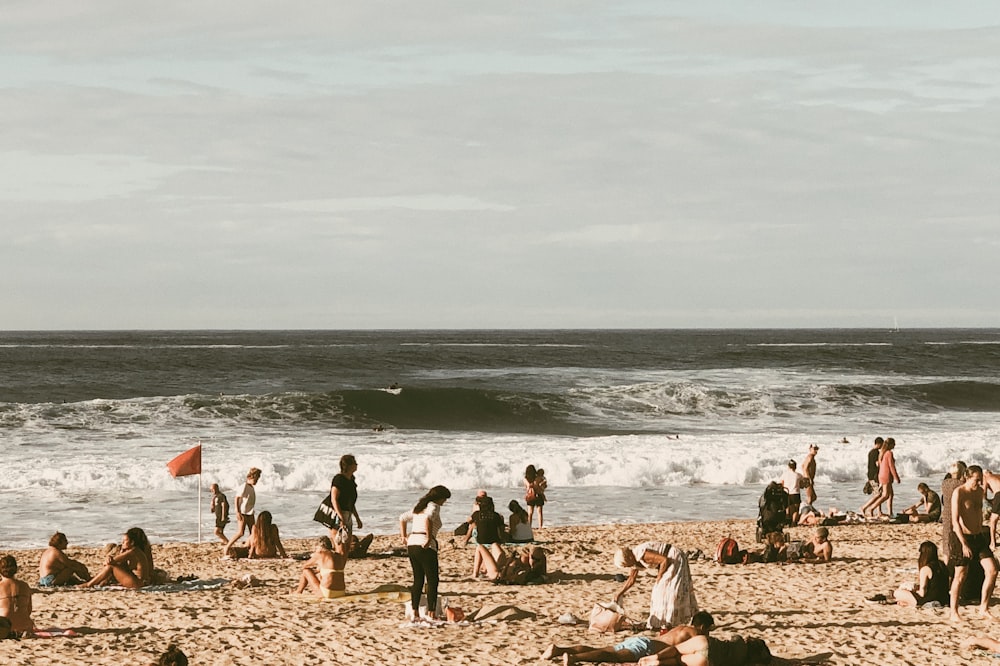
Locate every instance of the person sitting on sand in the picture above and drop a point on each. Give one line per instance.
(132, 567)
(323, 573)
(930, 502)
(264, 542)
(15, 598)
(634, 648)
(672, 600)
(809, 515)
(932, 580)
(819, 549)
(520, 524)
(775, 550)
(711, 651)
(983, 643)
(489, 535)
(56, 569)
(525, 568)
(358, 548)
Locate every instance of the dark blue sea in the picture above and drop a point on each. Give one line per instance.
(630, 426)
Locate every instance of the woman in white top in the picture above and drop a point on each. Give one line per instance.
(672, 601)
(422, 547)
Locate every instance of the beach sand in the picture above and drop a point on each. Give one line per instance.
(806, 613)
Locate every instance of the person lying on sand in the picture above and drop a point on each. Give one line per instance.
(323, 573)
(710, 651)
(819, 550)
(634, 648)
(132, 567)
(55, 568)
(981, 642)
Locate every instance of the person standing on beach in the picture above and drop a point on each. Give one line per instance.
(791, 481)
(220, 507)
(245, 502)
(672, 601)
(56, 569)
(15, 598)
(954, 478)
(809, 472)
(422, 547)
(886, 475)
(344, 497)
(992, 483)
(967, 523)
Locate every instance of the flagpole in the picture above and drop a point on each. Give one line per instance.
(199, 507)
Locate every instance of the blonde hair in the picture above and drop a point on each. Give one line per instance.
(622, 558)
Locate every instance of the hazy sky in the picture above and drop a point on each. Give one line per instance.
(454, 164)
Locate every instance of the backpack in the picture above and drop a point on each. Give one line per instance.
(728, 552)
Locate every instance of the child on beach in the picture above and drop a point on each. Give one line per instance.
(15, 598)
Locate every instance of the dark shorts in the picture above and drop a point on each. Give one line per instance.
(247, 519)
(221, 522)
(979, 544)
(995, 503)
(795, 500)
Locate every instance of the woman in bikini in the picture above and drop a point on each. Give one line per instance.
(265, 542)
(323, 573)
(132, 567)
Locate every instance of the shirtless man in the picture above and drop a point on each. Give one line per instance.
(55, 568)
(967, 524)
(809, 472)
(633, 648)
(15, 598)
(992, 483)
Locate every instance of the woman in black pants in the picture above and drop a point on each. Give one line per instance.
(422, 546)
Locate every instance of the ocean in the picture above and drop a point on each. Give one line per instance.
(630, 426)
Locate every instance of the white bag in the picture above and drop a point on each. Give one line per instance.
(440, 613)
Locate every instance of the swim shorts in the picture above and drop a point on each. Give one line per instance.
(638, 646)
(47, 581)
(979, 544)
(995, 504)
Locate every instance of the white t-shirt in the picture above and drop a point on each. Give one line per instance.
(425, 526)
(249, 499)
(790, 480)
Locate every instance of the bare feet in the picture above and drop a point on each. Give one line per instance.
(552, 651)
(954, 617)
(969, 642)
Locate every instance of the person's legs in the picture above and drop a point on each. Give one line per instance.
(983, 642)
(241, 524)
(70, 575)
(221, 534)
(487, 562)
(994, 518)
(541, 515)
(417, 564)
(308, 579)
(989, 581)
(430, 558)
(956, 589)
(905, 598)
(889, 495)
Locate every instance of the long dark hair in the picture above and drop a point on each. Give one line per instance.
(928, 555)
(138, 540)
(529, 473)
(514, 507)
(437, 494)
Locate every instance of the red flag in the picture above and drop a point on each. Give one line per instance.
(187, 463)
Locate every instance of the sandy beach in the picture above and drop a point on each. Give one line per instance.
(807, 613)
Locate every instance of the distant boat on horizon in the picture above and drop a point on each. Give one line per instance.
(895, 326)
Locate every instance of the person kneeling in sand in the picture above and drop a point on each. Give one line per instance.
(818, 550)
(634, 648)
(55, 568)
(15, 598)
(323, 573)
(930, 502)
(132, 567)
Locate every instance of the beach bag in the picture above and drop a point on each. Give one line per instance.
(728, 552)
(869, 487)
(530, 495)
(325, 515)
(607, 617)
(440, 613)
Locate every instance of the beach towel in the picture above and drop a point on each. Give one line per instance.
(196, 585)
(500, 613)
(387, 592)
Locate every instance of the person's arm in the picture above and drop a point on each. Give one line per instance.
(892, 468)
(925, 575)
(629, 582)
(403, 519)
(662, 563)
(468, 533)
(956, 521)
(278, 544)
(357, 518)
(335, 501)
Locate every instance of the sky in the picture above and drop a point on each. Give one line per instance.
(372, 165)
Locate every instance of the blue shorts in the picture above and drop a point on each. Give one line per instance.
(47, 581)
(639, 646)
